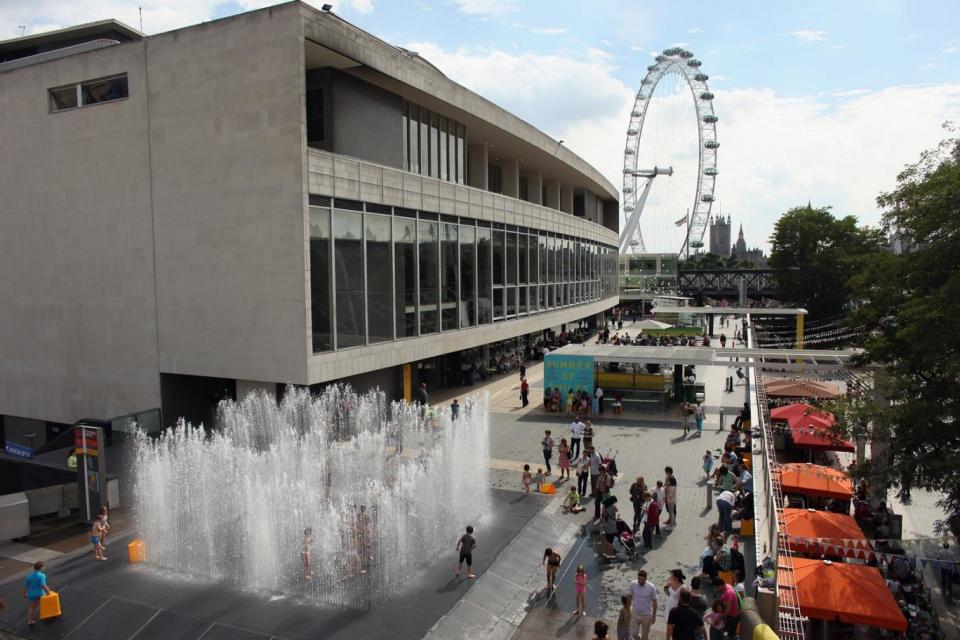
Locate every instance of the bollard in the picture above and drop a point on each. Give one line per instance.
(709, 494)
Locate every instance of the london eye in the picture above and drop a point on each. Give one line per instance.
(671, 141)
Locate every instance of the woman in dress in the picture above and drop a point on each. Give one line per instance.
(564, 453)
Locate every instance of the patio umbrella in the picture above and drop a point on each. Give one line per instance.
(851, 593)
(801, 388)
(793, 410)
(810, 523)
(815, 480)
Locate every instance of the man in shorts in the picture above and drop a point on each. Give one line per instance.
(465, 546)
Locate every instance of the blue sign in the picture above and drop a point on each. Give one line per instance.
(568, 372)
(19, 450)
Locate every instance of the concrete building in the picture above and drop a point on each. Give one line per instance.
(276, 197)
(720, 236)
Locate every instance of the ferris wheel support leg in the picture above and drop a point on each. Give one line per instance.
(633, 224)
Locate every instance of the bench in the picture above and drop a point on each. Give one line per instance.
(643, 399)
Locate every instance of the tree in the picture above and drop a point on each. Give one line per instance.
(816, 255)
(912, 303)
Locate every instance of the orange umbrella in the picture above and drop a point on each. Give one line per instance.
(801, 388)
(813, 432)
(815, 480)
(810, 523)
(812, 421)
(850, 593)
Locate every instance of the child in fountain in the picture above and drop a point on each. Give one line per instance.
(465, 546)
(305, 552)
(96, 536)
(526, 479)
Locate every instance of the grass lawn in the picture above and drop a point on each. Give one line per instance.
(674, 332)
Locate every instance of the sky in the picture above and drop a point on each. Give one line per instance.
(817, 101)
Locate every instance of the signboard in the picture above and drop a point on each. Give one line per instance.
(568, 372)
(85, 441)
(18, 450)
(91, 469)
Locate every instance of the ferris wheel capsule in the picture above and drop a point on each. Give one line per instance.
(711, 144)
(686, 54)
(694, 63)
(710, 118)
(706, 95)
(701, 77)
(652, 67)
(660, 58)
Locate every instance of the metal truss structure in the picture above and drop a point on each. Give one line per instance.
(716, 283)
(681, 62)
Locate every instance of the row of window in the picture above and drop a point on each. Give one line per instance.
(377, 277)
(434, 145)
(82, 94)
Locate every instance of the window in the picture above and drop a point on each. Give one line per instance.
(429, 261)
(494, 178)
(524, 189)
(89, 92)
(405, 274)
(348, 271)
(484, 276)
(468, 276)
(449, 273)
(511, 257)
(498, 254)
(379, 278)
(434, 145)
(320, 278)
(315, 117)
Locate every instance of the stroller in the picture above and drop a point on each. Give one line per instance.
(626, 538)
(610, 462)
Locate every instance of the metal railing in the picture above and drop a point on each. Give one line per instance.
(47, 56)
(790, 618)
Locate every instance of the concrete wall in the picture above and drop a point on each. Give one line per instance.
(227, 131)
(78, 336)
(366, 121)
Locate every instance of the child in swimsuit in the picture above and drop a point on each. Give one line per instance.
(526, 479)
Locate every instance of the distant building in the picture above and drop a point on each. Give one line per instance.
(720, 236)
(741, 251)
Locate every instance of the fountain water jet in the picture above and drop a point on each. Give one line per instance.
(385, 488)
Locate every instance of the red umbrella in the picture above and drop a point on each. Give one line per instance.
(817, 421)
(791, 410)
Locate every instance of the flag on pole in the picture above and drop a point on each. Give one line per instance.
(682, 221)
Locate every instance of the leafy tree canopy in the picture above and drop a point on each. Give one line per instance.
(817, 254)
(911, 303)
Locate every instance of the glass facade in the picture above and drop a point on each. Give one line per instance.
(434, 145)
(376, 277)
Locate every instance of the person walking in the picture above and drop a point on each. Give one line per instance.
(623, 620)
(598, 401)
(596, 462)
(34, 588)
(423, 398)
(526, 479)
(547, 444)
(552, 559)
(454, 409)
(699, 416)
(583, 474)
(643, 606)
(670, 501)
(672, 589)
(465, 545)
(683, 623)
(707, 463)
(305, 547)
(637, 491)
(686, 410)
(576, 433)
(524, 392)
(105, 526)
(601, 491)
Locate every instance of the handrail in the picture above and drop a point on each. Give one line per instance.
(47, 56)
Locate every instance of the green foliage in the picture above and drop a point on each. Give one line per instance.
(912, 303)
(710, 261)
(817, 254)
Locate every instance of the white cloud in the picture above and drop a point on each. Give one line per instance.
(158, 15)
(549, 31)
(952, 47)
(807, 35)
(841, 149)
(695, 30)
(486, 8)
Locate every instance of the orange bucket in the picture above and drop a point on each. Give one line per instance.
(136, 552)
(548, 488)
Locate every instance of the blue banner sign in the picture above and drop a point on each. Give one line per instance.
(568, 372)
(19, 450)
